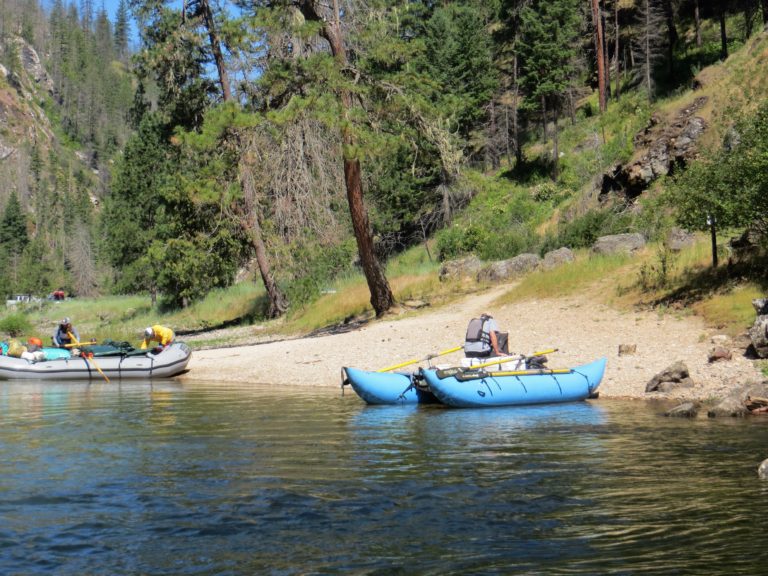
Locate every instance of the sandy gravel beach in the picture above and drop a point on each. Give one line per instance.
(579, 328)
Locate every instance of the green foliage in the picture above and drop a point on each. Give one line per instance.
(164, 228)
(548, 50)
(37, 274)
(582, 232)
(13, 227)
(731, 185)
(130, 211)
(15, 325)
(458, 57)
(187, 270)
(319, 266)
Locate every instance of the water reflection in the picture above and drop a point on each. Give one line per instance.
(165, 478)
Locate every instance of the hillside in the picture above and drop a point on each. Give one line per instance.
(210, 192)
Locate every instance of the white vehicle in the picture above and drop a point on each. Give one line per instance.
(21, 299)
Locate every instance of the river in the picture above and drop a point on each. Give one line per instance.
(212, 478)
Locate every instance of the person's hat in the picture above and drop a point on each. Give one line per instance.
(148, 332)
(66, 321)
(35, 341)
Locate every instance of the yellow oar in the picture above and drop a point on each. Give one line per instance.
(533, 372)
(75, 344)
(505, 359)
(95, 365)
(428, 357)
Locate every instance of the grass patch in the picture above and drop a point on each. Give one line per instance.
(238, 304)
(585, 271)
(348, 298)
(731, 312)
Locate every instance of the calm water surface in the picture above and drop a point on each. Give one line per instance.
(218, 479)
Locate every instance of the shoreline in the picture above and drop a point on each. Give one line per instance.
(580, 329)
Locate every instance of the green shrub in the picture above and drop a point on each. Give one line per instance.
(319, 265)
(458, 241)
(582, 232)
(15, 325)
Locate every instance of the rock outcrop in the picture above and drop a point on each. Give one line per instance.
(663, 145)
(758, 333)
(556, 258)
(462, 268)
(735, 403)
(507, 269)
(612, 244)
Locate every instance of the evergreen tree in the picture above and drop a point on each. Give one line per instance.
(458, 56)
(13, 227)
(548, 50)
(122, 30)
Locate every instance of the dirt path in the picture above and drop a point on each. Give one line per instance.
(580, 329)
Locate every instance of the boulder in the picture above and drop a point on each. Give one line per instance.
(462, 268)
(735, 403)
(761, 306)
(758, 334)
(719, 353)
(684, 410)
(629, 243)
(671, 378)
(556, 258)
(677, 239)
(762, 470)
(742, 248)
(512, 268)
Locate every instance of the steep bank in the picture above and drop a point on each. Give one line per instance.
(578, 327)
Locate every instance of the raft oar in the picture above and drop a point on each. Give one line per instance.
(480, 374)
(75, 344)
(505, 359)
(498, 360)
(425, 359)
(95, 365)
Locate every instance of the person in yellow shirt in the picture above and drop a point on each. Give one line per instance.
(160, 334)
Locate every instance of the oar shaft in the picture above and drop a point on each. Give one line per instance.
(75, 344)
(95, 364)
(505, 359)
(534, 372)
(409, 362)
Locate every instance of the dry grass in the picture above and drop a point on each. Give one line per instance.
(580, 275)
(732, 312)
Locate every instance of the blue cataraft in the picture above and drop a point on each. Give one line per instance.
(474, 388)
(477, 387)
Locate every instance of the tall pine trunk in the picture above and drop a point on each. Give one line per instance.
(616, 49)
(599, 44)
(210, 24)
(723, 35)
(697, 21)
(382, 298)
(278, 304)
(515, 112)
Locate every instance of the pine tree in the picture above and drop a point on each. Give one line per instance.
(13, 227)
(122, 23)
(547, 47)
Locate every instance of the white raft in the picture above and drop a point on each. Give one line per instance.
(120, 366)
